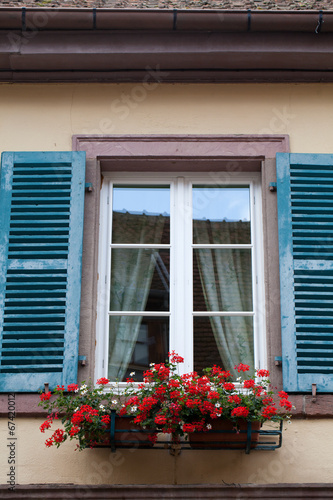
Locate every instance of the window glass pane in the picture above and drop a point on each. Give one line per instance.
(139, 279)
(141, 214)
(223, 340)
(222, 280)
(134, 343)
(221, 215)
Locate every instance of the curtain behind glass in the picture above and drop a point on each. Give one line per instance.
(226, 280)
(131, 275)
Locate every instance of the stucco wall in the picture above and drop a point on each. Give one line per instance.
(306, 456)
(45, 117)
(35, 117)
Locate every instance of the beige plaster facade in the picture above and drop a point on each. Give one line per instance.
(45, 117)
(305, 457)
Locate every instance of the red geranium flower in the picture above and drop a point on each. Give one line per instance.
(240, 411)
(286, 404)
(234, 399)
(74, 430)
(45, 396)
(248, 384)
(103, 381)
(106, 419)
(229, 386)
(269, 412)
(242, 368)
(72, 387)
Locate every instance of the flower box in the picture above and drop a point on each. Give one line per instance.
(225, 435)
(208, 407)
(123, 433)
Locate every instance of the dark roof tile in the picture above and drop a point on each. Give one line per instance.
(179, 4)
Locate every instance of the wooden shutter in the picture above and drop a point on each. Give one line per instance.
(41, 227)
(305, 221)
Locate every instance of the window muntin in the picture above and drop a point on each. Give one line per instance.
(169, 315)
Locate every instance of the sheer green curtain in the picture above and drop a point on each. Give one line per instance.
(132, 271)
(226, 281)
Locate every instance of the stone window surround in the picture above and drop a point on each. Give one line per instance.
(210, 153)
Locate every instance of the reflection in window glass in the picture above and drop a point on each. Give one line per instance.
(221, 215)
(141, 215)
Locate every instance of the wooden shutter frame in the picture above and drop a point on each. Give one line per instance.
(293, 378)
(29, 381)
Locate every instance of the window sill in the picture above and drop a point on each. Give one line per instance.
(26, 405)
(309, 407)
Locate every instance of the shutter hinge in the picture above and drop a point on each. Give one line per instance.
(88, 187)
(278, 360)
(272, 187)
(314, 393)
(46, 387)
(82, 360)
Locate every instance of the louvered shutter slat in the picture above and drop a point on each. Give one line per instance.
(40, 268)
(305, 219)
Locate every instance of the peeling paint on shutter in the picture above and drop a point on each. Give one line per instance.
(41, 221)
(305, 218)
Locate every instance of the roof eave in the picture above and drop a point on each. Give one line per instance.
(163, 45)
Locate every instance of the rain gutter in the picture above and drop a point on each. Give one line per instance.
(47, 44)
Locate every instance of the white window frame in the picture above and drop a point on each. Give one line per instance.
(181, 264)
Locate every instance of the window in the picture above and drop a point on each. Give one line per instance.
(179, 268)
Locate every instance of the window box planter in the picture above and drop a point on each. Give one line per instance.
(123, 433)
(200, 411)
(223, 435)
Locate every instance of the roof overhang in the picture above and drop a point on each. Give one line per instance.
(122, 45)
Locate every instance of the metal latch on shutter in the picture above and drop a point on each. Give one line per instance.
(82, 360)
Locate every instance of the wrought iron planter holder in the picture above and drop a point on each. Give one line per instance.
(269, 439)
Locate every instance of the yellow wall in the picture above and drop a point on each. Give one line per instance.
(44, 117)
(35, 117)
(306, 456)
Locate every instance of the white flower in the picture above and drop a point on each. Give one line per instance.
(101, 407)
(76, 409)
(133, 409)
(217, 405)
(152, 364)
(132, 374)
(209, 427)
(83, 392)
(83, 387)
(76, 390)
(115, 402)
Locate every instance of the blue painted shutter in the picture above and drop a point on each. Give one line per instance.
(305, 221)
(41, 227)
